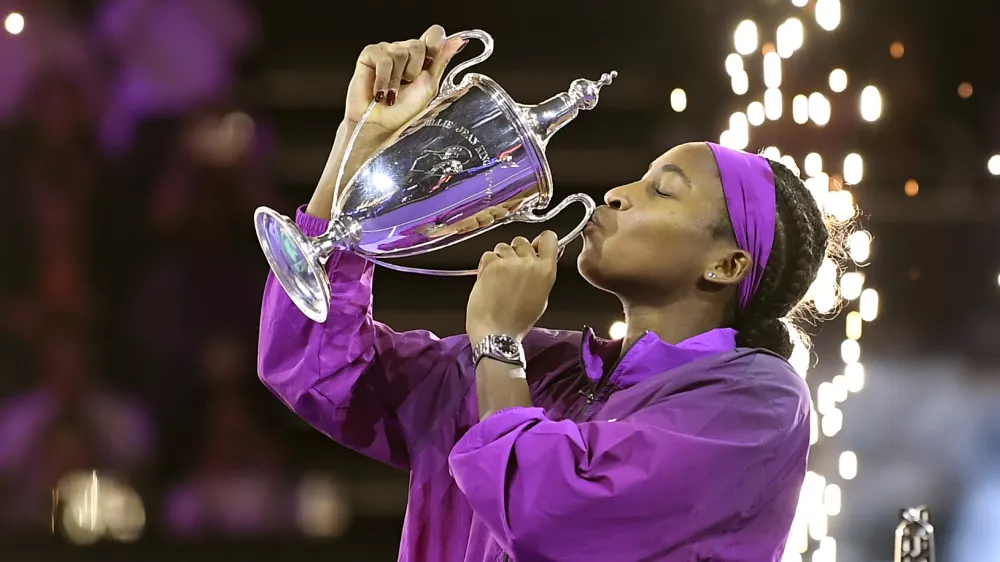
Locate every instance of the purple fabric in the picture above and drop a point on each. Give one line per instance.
(695, 451)
(748, 183)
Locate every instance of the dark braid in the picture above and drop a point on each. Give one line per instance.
(800, 243)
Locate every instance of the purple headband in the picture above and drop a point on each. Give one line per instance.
(748, 183)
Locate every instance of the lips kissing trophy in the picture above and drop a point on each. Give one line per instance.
(472, 150)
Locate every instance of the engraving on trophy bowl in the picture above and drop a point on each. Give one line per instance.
(437, 163)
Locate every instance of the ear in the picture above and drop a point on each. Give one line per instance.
(730, 268)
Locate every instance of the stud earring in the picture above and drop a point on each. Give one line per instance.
(711, 275)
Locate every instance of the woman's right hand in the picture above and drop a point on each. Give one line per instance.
(403, 77)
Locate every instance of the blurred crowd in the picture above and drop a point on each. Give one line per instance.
(130, 287)
(131, 276)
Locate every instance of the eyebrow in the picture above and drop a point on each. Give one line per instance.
(673, 168)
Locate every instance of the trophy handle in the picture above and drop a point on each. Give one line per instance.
(448, 86)
(524, 216)
(583, 199)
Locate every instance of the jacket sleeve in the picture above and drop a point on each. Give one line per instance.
(372, 389)
(557, 490)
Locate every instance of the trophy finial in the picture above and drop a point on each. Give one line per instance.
(552, 114)
(585, 92)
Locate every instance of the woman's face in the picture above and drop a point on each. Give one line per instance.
(660, 233)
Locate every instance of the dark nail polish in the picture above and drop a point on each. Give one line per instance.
(462, 47)
(427, 63)
(379, 95)
(390, 98)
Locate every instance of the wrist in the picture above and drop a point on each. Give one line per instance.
(500, 386)
(371, 134)
(371, 137)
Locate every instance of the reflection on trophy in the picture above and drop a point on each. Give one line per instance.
(478, 221)
(471, 161)
(915, 536)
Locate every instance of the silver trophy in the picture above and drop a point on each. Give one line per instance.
(473, 150)
(915, 536)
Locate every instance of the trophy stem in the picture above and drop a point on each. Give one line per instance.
(342, 234)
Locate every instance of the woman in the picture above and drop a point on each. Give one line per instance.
(685, 441)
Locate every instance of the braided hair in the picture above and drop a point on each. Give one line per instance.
(800, 243)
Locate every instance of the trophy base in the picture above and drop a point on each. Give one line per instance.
(296, 262)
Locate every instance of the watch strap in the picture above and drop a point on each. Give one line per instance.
(500, 347)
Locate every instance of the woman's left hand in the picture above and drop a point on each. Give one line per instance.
(513, 286)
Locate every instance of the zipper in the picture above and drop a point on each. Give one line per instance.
(597, 391)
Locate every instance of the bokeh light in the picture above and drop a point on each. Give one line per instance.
(828, 14)
(745, 37)
(741, 83)
(854, 169)
(14, 23)
(838, 80)
(871, 103)
(755, 113)
(772, 104)
(820, 109)
(993, 165)
(678, 100)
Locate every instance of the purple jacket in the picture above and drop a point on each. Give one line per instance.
(681, 453)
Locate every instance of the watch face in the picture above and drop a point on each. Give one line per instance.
(507, 347)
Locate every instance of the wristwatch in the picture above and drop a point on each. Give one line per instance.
(501, 347)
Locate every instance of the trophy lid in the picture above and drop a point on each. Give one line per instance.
(546, 118)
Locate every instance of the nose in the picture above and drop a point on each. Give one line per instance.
(618, 198)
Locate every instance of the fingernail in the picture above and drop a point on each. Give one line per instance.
(428, 62)
(379, 95)
(390, 98)
(462, 47)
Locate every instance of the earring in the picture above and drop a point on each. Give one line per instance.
(711, 275)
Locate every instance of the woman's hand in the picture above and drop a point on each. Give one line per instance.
(403, 76)
(513, 287)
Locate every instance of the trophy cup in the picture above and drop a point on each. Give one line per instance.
(473, 150)
(915, 536)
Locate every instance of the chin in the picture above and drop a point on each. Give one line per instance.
(589, 265)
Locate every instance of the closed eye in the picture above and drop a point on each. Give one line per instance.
(658, 190)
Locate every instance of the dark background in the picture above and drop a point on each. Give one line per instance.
(130, 273)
